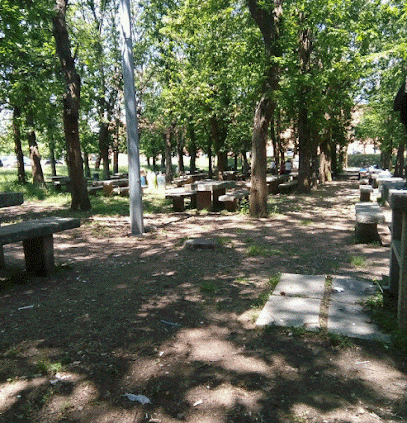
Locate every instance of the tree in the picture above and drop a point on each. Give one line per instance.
(26, 68)
(71, 103)
(268, 17)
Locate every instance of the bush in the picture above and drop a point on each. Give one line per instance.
(363, 160)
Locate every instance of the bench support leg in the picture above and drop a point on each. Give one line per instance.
(367, 232)
(203, 200)
(178, 204)
(39, 255)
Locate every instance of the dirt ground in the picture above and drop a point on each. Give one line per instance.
(128, 319)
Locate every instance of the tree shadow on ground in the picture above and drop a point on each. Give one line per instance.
(149, 316)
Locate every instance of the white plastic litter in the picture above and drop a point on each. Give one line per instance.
(139, 398)
(337, 289)
(26, 307)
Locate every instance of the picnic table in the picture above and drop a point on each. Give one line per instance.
(60, 182)
(36, 235)
(209, 191)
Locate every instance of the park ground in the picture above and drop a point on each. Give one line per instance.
(150, 317)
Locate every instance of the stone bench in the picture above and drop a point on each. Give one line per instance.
(368, 215)
(287, 186)
(273, 183)
(37, 238)
(365, 192)
(94, 189)
(178, 197)
(122, 191)
(231, 200)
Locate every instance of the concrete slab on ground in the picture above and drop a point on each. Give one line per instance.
(349, 290)
(350, 320)
(310, 286)
(346, 315)
(297, 299)
(290, 312)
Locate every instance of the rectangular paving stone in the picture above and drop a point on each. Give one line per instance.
(311, 286)
(290, 311)
(350, 320)
(350, 290)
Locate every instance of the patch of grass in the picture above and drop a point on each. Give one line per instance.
(274, 280)
(242, 281)
(244, 206)
(46, 367)
(337, 340)
(358, 261)
(261, 300)
(208, 287)
(223, 241)
(385, 319)
(258, 250)
(399, 339)
(306, 222)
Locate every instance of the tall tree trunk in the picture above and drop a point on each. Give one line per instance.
(219, 133)
(399, 167)
(305, 152)
(192, 155)
(192, 147)
(17, 145)
(36, 168)
(305, 174)
(52, 153)
(210, 167)
(245, 164)
(325, 162)
(180, 153)
(104, 148)
(86, 164)
(71, 102)
(269, 22)
(168, 158)
(258, 189)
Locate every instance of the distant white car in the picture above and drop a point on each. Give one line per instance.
(11, 161)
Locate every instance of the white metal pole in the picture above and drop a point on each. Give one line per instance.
(136, 205)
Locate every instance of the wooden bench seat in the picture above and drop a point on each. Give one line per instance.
(368, 215)
(178, 197)
(37, 238)
(231, 200)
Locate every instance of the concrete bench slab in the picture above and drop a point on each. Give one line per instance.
(368, 215)
(200, 243)
(287, 186)
(365, 192)
(178, 198)
(37, 238)
(232, 199)
(290, 312)
(8, 199)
